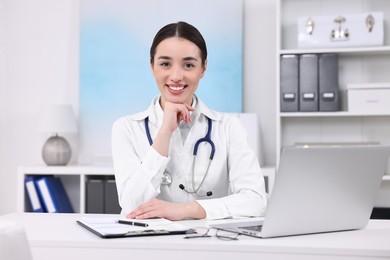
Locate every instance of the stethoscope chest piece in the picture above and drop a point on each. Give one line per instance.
(166, 179)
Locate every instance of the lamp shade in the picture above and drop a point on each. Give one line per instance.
(57, 119)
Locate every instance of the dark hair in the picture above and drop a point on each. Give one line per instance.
(182, 30)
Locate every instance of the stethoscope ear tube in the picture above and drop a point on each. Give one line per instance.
(209, 193)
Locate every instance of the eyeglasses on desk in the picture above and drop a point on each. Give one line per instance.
(202, 232)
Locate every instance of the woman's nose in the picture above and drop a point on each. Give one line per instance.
(176, 74)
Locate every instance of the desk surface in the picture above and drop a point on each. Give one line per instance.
(59, 236)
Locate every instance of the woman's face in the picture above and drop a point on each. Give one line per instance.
(177, 69)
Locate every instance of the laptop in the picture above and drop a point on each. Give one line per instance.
(320, 189)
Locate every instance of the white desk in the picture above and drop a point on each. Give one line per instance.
(58, 236)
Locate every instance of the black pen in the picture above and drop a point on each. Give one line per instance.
(133, 223)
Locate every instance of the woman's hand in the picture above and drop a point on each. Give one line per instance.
(169, 210)
(173, 114)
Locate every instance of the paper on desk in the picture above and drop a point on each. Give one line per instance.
(110, 226)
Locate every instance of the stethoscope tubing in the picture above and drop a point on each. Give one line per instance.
(148, 131)
(206, 139)
(195, 190)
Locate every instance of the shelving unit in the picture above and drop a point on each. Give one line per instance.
(74, 179)
(356, 65)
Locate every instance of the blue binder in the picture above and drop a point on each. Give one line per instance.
(54, 197)
(32, 194)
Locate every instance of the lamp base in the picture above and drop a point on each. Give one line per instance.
(56, 151)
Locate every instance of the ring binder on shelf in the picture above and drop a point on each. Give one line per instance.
(94, 196)
(328, 82)
(308, 82)
(289, 83)
(32, 194)
(53, 194)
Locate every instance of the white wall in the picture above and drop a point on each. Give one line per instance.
(260, 70)
(39, 65)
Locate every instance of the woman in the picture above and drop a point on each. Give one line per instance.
(155, 169)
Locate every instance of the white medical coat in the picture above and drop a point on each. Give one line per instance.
(234, 176)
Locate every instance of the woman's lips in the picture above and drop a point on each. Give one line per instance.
(176, 88)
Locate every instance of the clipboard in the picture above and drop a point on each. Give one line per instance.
(110, 228)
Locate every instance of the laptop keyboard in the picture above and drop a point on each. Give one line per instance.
(255, 228)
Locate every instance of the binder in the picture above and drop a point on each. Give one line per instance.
(95, 196)
(329, 99)
(308, 82)
(111, 203)
(53, 194)
(289, 83)
(32, 194)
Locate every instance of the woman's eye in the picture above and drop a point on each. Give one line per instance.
(164, 64)
(189, 65)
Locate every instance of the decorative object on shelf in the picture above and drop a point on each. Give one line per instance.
(340, 34)
(334, 31)
(370, 21)
(57, 119)
(309, 26)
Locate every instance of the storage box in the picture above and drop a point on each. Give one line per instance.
(369, 98)
(335, 31)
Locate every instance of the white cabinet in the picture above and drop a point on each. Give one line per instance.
(74, 179)
(356, 65)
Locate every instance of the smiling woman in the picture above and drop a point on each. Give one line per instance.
(154, 151)
(115, 41)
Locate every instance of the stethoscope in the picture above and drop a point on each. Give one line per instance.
(167, 178)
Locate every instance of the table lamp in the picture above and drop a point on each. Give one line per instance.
(57, 119)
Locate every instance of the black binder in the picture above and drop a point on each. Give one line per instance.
(308, 82)
(329, 99)
(95, 196)
(111, 204)
(289, 83)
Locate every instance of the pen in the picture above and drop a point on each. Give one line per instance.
(133, 223)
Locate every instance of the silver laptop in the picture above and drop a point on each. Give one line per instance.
(320, 189)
